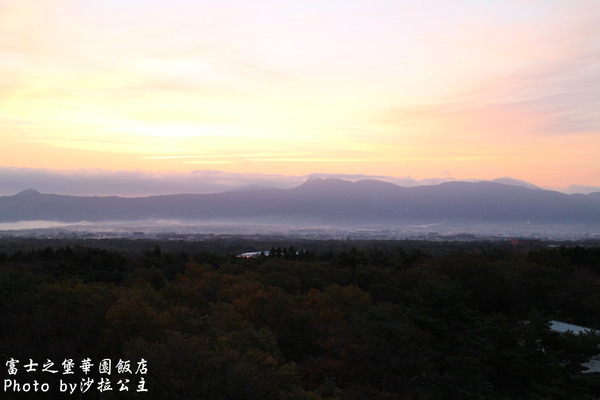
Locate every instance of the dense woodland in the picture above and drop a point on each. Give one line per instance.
(313, 320)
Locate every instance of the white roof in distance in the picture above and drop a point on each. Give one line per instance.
(564, 327)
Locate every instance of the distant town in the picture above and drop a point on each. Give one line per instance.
(198, 233)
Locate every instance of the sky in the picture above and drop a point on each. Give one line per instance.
(205, 95)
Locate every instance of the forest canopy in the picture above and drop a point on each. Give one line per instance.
(319, 320)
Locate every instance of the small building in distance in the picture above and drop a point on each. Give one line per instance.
(563, 327)
(525, 242)
(255, 254)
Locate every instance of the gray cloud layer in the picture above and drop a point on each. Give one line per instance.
(139, 183)
(130, 183)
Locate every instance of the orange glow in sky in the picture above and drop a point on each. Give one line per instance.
(472, 89)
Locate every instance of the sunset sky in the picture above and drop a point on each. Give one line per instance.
(284, 89)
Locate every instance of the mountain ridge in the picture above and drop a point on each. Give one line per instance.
(323, 200)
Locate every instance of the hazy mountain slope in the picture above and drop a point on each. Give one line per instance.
(323, 201)
(516, 182)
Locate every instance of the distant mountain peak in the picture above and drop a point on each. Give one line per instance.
(28, 193)
(505, 180)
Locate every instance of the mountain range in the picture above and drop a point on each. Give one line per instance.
(318, 200)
